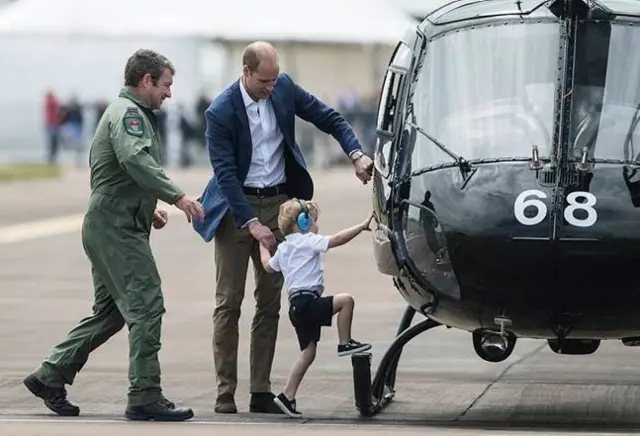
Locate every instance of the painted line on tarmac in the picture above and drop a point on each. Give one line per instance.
(63, 420)
(304, 422)
(121, 421)
(54, 226)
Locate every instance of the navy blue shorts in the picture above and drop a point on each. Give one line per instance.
(308, 314)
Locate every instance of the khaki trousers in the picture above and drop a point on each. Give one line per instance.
(233, 248)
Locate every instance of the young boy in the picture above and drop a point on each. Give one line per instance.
(298, 258)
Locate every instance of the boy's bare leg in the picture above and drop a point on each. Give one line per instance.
(343, 305)
(298, 370)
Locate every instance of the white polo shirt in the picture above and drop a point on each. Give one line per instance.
(298, 258)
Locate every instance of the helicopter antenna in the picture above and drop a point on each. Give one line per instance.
(519, 5)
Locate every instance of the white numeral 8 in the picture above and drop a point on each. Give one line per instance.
(587, 206)
(522, 203)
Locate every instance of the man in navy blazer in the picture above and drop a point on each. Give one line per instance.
(257, 166)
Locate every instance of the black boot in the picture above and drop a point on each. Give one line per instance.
(54, 398)
(160, 410)
(166, 402)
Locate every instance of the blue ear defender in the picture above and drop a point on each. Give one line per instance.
(304, 219)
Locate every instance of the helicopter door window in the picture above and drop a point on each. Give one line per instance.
(606, 93)
(387, 112)
(480, 109)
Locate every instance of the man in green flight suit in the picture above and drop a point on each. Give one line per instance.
(126, 183)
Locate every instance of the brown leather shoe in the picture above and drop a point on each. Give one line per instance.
(225, 404)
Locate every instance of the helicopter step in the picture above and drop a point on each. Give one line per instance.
(361, 364)
(372, 397)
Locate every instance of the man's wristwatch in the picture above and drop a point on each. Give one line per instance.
(356, 155)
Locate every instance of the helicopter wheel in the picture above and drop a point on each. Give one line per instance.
(496, 352)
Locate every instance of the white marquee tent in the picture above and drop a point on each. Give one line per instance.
(341, 21)
(79, 47)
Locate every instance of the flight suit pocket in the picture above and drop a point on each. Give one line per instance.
(143, 214)
(137, 219)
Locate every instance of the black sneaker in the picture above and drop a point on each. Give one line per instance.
(287, 406)
(352, 347)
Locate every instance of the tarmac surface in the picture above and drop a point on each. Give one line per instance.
(442, 386)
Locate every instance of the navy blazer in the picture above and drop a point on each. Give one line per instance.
(230, 148)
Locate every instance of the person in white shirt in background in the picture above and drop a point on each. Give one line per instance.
(298, 258)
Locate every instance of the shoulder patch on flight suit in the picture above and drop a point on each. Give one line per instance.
(133, 122)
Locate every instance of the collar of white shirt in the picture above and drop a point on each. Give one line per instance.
(248, 101)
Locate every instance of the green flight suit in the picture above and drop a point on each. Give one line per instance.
(126, 182)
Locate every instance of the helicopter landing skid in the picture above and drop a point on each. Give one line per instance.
(370, 397)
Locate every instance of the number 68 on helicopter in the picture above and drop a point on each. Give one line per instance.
(506, 182)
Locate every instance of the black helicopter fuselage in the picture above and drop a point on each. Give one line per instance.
(505, 180)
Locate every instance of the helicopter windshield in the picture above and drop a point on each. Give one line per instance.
(487, 92)
(606, 93)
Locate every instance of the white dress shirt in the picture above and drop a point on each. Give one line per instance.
(298, 258)
(267, 157)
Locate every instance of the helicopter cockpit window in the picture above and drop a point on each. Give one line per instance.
(606, 93)
(487, 93)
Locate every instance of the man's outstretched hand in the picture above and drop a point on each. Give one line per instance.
(364, 168)
(263, 234)
(191, 208)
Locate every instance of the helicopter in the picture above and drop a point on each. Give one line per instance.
(506, 182)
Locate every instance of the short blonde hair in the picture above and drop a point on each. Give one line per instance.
(289, 211)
